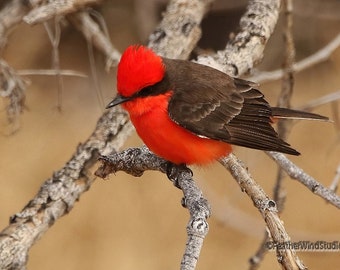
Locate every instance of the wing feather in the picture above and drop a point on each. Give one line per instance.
(211, 104)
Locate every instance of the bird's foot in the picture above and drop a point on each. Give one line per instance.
(173, 172)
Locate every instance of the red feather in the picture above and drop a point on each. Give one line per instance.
(139, 67)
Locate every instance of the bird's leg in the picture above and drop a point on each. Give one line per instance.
(174, 170)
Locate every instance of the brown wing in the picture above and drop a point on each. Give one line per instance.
(211, 104)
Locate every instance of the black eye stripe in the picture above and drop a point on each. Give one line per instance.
(148, 91)
(153, 90)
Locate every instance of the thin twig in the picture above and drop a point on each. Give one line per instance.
(54, 37)
(298, 174)
(51, 72)
(94, 75)
(335, 183)
(96, 35)
(334, 96)
(267, 207)
(13, 90)
(316, 58)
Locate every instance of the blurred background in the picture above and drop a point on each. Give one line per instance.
(128, 223)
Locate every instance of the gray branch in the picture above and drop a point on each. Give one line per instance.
(298, 174)
(177, 34)
(50, 9)
(135, 161)
(268, 209)
(245, 50)
(58, 194)
(94, 34)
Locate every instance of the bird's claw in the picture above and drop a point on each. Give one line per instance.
(173, 171)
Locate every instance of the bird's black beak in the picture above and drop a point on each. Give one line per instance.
(117, 100)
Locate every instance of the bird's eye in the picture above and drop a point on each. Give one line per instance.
(146, 91)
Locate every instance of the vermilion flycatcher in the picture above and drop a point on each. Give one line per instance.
(188, 113)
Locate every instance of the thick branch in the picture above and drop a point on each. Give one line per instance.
(135, 161)
(58, 194)
(55, 8)
(246, 49)
(177, 34)
(10, 15)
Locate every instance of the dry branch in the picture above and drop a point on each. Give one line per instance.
(245, 50)
(321, 55)
(135, 161)
(12, 88)
(95, 35)
(298, 174)
(10, 15)
(58, 194)
(287, 87)
(267, 207)
(177, 34)
(56, 8)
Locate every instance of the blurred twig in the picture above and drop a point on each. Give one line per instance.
(298, 174)
(51, 9)
(54, 37)
(321, 55)
(12, 88)
(50, 72)
(335, 183)
(96, 35)
(329, 98)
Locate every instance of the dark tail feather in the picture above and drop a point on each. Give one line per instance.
(295, 114)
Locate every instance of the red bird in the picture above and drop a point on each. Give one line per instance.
(188, 113)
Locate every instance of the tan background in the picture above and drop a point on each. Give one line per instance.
(128, 223)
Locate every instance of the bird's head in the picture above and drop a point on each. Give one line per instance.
(139, 67)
